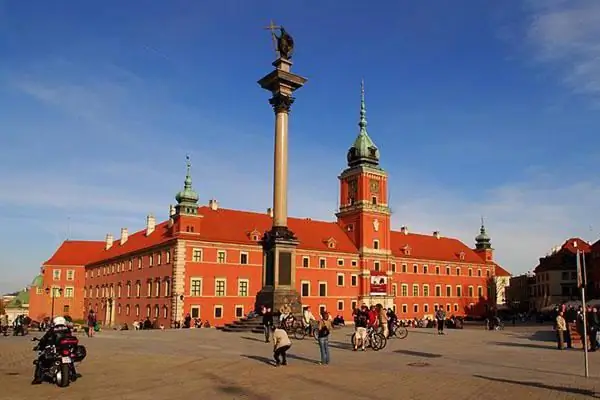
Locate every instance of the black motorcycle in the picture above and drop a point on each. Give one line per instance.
(56, 361)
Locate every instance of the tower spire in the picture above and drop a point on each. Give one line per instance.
(363, 151)
(187, 199)
(483, 241)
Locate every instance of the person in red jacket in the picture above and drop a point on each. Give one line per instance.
(372, 317)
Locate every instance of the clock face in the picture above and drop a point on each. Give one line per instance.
(374, 186)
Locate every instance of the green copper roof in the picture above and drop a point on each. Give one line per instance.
(38, 281)
(187, 195)
(363, 151)
(20, 299)
(483, 241)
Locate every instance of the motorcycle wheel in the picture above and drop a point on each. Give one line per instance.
(63, 376)
(299, 333)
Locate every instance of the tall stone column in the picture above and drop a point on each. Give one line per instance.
(280, 243)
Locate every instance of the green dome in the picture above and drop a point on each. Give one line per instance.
(188, 194)
(363, 150)
(38, 281)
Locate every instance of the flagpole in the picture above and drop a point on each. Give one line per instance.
(581, 282)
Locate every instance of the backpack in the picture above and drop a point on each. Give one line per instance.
(324, 331)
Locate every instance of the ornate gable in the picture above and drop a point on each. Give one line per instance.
(254, 235)
(331, 242)
(406, 250)
(461, 256)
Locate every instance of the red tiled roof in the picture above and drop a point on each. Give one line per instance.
(429, 247)
(75, 252)
(556, 260)
(499, 271)
(574, 244)
(135, 241)
(233, 226)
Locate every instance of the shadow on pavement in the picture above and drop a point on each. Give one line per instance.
(236, 391)
(340, 345)
(253, 339)
(262, 359)
(585, 392)
(418, 354)
(527, 345)
(295, 357)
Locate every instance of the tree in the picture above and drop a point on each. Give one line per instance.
(496, 288)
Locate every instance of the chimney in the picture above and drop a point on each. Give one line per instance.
(404, 229)
(109, 241)
(436, 234)
(213, 204)
(270, 212)
(150, 224)
(124, 235)
(171, 210)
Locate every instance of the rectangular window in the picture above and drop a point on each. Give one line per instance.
(479, 291)
(322, 262)
(149, 289)
(415, 308)
(353, 280)
(353, 304)
(150, 260)
(470, 272)
(195, 312)
(404, 289)
(479, 272)
(221, 256)
(376, 266)
(322, 289)
(218, 312)
(471, 291)
(158, 258)
(438, 291)
(394, 289)
(447, 270)
(404, 308)
(457, 271)
(243, 287)
(415, 291)
(305, 262)
(354, 263)
(167, 257)
(305, 289)
(426, 290)
(56, 274)
(220, 287)
(140, 262)
(197, 255)
(243, 258)
(157, 289)
(393, 267)
(55, 292)
(340, 279)
(239, 311)
(376, 244)
(66, 309)
(437, 270)
(459, 291)
(69, 291)
(340, 262)
(415, 269)
(70, 275)
(404, 268)
(340, 305)
(425, 269)
(448, 291)
(456, 308)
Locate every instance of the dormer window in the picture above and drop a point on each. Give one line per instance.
(461, 256)
(350, 228)
(254, 235)
(406, 250)
(331, 243)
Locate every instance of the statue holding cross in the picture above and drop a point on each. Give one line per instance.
(284, 43)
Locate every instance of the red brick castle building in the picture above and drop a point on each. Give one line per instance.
(208, 260)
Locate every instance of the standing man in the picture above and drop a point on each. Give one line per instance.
(561, 329)
(324, 329)
(267, 322)
(361, 321)
(91, 323)
(440, 317)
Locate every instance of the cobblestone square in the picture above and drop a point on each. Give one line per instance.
(519, 362)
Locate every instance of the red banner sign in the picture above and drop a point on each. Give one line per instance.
(379, 282)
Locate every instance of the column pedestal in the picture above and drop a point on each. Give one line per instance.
(279, 271)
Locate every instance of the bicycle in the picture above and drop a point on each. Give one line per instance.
(374, 339)
(401, 332)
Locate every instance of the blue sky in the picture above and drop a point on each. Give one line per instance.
(478, 108)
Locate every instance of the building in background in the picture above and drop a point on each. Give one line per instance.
(208, 261)
(556, 274)
(16, 304)
(519, 293)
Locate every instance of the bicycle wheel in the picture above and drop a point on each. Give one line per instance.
(377, 341)
(299, 333)
(401, 332)
(316, 334)
(352, 338)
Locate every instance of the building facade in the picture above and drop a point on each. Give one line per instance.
(519, 294)
(208, 261)
(556, 274)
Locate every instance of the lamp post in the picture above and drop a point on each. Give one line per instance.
(52, 294)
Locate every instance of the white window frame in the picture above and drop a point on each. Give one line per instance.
(151, 260)
(426, 308)
(236, 308)
(56, 274)
(322, 262)
(376, 265)
(219, 252)
(244, 253)
(71, 272)
(415, 286)
(195, 307)
(458, 291)
(448, 287)
(438, 291)
(197, 254)
(192, 279)
(394, 289)
(404, 308)
(354, 263)
(337, 281)
(215, 308)
(403, 288)
(242, 280)
(307, 263)
(415, 308)
(354, 277)
(302, 283)
(224, 287)
(340, 262)
(326, 288)
(425, 289)
(338, 304)
(376, 244)
(471, 291)
(66, 292)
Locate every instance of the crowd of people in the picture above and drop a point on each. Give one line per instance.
(570, 319)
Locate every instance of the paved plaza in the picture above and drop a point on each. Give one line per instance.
(518, 362)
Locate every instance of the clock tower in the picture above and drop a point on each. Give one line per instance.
(364, 213)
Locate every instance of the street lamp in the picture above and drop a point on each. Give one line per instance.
(48, 292)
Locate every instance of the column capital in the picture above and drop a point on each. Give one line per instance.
(281, 102)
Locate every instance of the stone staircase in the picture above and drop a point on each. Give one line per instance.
(253, 325)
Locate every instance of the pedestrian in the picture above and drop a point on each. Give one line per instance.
(324, 330)
(91, 323)
(281, 344)
(267, 322)
(561, 330)
(440, 317)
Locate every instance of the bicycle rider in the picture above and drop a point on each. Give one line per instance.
(308, 319)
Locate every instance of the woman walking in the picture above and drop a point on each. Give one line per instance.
(324, 329)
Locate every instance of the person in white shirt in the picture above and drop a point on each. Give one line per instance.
(308, 319)
(281, 344)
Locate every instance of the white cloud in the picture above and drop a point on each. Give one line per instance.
(565, 34)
